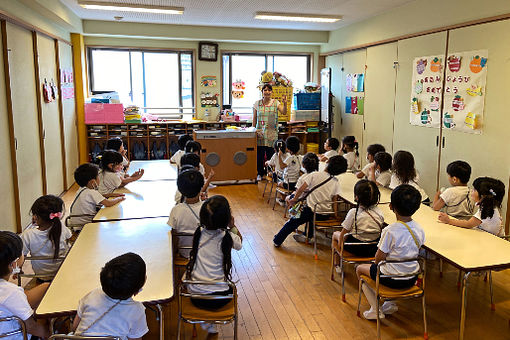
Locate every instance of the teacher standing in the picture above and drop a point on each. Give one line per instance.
(265, 120)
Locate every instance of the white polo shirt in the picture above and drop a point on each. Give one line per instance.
(85, 203)
(364, 227)
(185, 218)
(108, 182)
(13, 302)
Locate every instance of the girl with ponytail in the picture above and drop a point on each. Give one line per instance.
(351, 153)
(48, 238)
(488, 194)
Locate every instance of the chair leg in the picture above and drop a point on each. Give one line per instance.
(360, 286)
(333, 254)
(440, 267)
(265, 186)
(275, 196)
(378, 319)
(342, 273)
(178, 328)
(194, 334)
(425, 332)
(493, 306)
(285, 210)
(235, 328)
(315, 242)
(459, 278)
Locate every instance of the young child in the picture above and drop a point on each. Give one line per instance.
(399, 241)
(404, 172)
(455, 200)
(210, 258)
(48, 238)
(116, 144)
(195, 147)
(488, 194)
(181, 142)
(291, 165)
(184, 217)
(88, 199)
(14, 301)
(331, 146)
(192, 161)
(350, 152)
(111, 177)
(322, 186)
(274, 163)
(363, 223)
(372, 149)
(111, 311)
(380, 171)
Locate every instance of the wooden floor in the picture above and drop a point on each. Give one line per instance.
(285, 294)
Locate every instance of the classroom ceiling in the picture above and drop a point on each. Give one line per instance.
(239, 13)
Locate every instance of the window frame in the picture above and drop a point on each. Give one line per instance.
(179, 52)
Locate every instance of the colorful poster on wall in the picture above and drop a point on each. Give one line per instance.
(426, 91)
(464, 92)
(66, 83)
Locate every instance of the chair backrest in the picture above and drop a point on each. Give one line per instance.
(22, 329)
(40, 258)
(80, 337)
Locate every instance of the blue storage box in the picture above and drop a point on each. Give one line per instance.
(308, 101)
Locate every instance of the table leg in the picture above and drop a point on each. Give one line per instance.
(161, 322)
(463, 305)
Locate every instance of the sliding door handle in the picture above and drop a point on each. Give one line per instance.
(437, 140)
(443, 141)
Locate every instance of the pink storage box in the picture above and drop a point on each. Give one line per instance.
(99, 113)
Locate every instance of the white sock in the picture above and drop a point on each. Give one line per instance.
(370, 295)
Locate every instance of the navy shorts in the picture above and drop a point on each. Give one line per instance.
(391, 282)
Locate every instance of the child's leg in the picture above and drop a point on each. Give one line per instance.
(364, 269)
(335, 244)
(293, 224)
(35, 295)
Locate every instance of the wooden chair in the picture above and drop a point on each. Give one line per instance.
(384, 293)
(189, 313)
(74, 227)
(180, 262)
(334, 222)
(284, 192)
(268, 178)
(22, 328)
(80, 337)
(39, 258)
(346, 257)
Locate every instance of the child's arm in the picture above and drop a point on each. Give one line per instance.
(113, 201)
(360, 174)
(371, 174)
(438, 202)
(341, 238)
(299, 191)
(234, 230)
(208, 181)
(323, 158)
(280, 160)
(36, 328)
(114, 194)
(380, 256)
(471, 223)
(134, 177)
(76, 322)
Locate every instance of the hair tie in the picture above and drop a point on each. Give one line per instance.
(492, 192)
(53, 215)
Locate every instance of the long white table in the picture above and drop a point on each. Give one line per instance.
(469, 250)
(347, 182)
(144, 199)
(155, 170)
(100, 242)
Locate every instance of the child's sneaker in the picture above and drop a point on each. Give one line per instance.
(389, 307)
(299, 238)
(280, 201)
(209, 328)
(338, 269)
(370, 314)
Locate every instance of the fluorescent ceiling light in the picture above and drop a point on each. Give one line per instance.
(297, 17)
(130, 7)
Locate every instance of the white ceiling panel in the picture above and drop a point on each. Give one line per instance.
(240, 13)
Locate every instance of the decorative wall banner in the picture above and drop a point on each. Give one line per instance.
(67, 83)
(208, 81)
(464, 92)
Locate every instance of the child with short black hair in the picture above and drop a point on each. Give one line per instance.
(274, 163)
(48, 238)
(181, 142)
(350, 152)
(116, 144)
(14, 300)
(404, 172)
(111, 311)
(331, 146)
(211, 258)
(310, 164)
(196, 148)
(488, 194)
(291, 165)
(380, 171)
(184, 217)
(372, 149)
(88, 200)
(456, 199)
(111, 176)
(193, 160)
(399, 241)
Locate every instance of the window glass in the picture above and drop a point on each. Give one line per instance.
(294, 67)
(111, 72)
(247, 68)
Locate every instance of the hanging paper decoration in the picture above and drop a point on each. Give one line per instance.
(425, 117)
(472, 121)
(474, 90)
(208, 99)
(66, 83)
(454, 63)
(208, 81)
(448, 121)
(354, 105)
(477, 64)
(348, 83)
(435, 64)
(355, 82)
(237, 89)
(361, 105)
(434, 104)
(458, 103)
(421, 64)
(47, 92)
(361, 82)
(348, 105)
(418, 87)
(414, 106)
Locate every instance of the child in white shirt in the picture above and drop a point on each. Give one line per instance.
(456, 201)
(380, 171)
(399, 241)
(372, 149)
(363, 223)
(111, 311)
(291, 165)
(184, 217)
(404, 172)
(331, 146)
(88, 200)
(14, 301)
(116, 144)
(488, 194)
(350, 153)
(274, 162)
(210, 258)
(176, 157)
(111, 176)
(192, 161)
(48, 238)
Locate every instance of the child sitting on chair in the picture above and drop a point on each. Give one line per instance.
(111, 310)
(181, 142)
(380, 170)
(372, 149)
(331, 146)
(274, 162)
(111, 176)
(116, 144)
(291, 165)
(400, 241)
(192, 161)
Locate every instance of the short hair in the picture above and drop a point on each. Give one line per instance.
(193, 146)
(123, 276)
(114, 144)
(333, 143)
(190, 182)
(269, 86)
(284, 145)
(336, 165)
(190, 159)
(310, 162)
(372, 149)
(110, 157)
(84, 173)
(182, 140)
(459, 169)
(293, 144)
(11, 247)
(383, 159)
(405, 200)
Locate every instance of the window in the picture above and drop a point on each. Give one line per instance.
(160, 82)
(248, 68)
